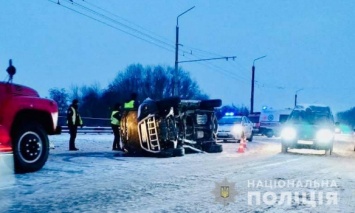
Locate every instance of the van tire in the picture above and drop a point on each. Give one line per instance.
(269, 133)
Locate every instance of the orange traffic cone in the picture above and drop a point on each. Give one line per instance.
(241, 146)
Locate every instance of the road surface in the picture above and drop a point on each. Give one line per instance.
(96, 179)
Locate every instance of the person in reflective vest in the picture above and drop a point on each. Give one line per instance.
(115, 124)
(132, 103)
(73, 120)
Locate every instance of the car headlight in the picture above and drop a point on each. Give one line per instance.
(324, 135)
(237, 130)
(288, 133)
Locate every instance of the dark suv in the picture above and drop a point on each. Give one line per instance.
(309, 127)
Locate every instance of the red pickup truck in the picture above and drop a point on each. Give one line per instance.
(26, 120)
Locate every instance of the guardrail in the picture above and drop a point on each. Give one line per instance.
(88, 121)
(90, 130)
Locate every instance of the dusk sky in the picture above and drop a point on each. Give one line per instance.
(309, 46)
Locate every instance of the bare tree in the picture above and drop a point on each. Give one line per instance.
(61, 97)
(154, 82)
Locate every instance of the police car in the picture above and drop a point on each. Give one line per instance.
(231, 128)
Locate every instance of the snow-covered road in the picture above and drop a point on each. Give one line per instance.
(96, 179)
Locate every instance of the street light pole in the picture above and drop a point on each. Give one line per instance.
(177, 52)
(252, 84)
(296, 96)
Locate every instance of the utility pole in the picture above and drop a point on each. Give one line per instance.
(252, 84)
(175, 89)
(177, 52)
(296, 96)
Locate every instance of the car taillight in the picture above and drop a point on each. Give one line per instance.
(5, 145)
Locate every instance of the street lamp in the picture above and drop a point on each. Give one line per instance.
(296, 96)
(177, 51)
(252, 84)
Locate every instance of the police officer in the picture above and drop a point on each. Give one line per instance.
(115, 124)
(73, 120)
(132, 103)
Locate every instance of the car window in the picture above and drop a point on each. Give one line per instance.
(230, 120)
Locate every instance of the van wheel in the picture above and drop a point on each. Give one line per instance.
(269, 133)
(31, 148)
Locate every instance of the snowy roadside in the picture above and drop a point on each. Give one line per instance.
(96, 179)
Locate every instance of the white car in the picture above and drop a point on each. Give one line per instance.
(231, 128)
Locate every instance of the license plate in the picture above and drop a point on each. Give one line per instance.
(304, 142)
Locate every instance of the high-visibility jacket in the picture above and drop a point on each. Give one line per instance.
(74, 118)
(129, 105)
(114, 120)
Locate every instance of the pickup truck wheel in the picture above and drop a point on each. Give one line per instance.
(31, 148)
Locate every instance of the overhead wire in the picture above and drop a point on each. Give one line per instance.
(110, 19)
(119, 23)
(110, 25)
(129, 22)
(197, 52)
(223, 71)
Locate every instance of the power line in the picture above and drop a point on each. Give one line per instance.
(136, 25)
(224, 71)
(208, 59)
(110, 25)
(120, 23)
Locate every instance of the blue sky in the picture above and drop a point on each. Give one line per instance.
(309, 46)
